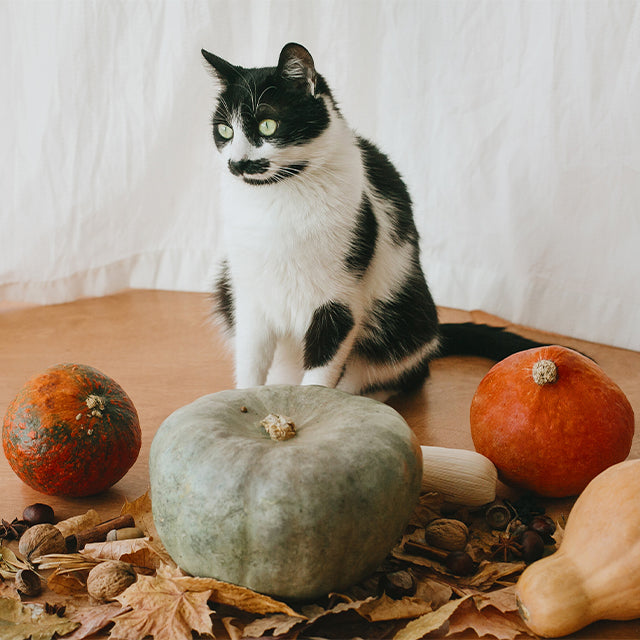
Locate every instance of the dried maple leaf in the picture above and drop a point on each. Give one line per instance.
(92, 618)
(163, 607)
(22, 622)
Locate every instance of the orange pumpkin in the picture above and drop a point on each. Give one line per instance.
(550, 420)
(71, 431)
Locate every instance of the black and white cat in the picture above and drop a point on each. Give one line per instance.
(321, 282)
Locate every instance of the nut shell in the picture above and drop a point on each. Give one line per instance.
(28, 582)
(447, 534)
(109, 579)
(40, 540)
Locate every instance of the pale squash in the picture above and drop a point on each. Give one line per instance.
(294, 518)
(595, 574)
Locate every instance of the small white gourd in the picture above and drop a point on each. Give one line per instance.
(461, 476)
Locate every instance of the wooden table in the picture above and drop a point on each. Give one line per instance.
(162, 349)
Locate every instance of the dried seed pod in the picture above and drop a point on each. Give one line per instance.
(38, 513)
(109, 579)
(40, 540)
(28, 582)
(446, 533)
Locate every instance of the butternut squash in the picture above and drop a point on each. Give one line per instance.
(595, 574)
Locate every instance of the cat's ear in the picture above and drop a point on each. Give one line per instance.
(296, 64)
(224, 70)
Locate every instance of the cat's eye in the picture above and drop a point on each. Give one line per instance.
(225, 131)
(267, 127)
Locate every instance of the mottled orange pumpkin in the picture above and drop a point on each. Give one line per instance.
(551, 420)
(71, 431)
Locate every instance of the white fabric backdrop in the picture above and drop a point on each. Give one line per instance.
(515, 124)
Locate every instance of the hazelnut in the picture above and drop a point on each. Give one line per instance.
(38, 513)
(40, 540)
(447, 534)
(28, 582)
(109, 579)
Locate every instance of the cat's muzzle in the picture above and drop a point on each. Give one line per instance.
(248, 167)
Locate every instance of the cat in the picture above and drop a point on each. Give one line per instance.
(321, 282)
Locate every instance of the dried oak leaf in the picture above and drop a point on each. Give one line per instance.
(23, 622)
(162, 607)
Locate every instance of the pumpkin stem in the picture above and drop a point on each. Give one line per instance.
(279, 427)
(544, 372)
(96, 404)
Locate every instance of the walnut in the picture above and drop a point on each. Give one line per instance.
(40, 540)
(448, 534)
(109, 579)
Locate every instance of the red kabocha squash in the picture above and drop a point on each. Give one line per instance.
(550, 420)
(71, 431)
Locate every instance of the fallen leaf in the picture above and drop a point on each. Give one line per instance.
(430, 621)
(489, 573)
(140, 552)
(278, 625)
(427, 509)
(433, 591)
(487, 622)
(165, 608)
(142, 513)
(502, 599)
(92, 618)
(30, 622)
(68, 584)
(386, 608)
(79, 523)
(8, 589)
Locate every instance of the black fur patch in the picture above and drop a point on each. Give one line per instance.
(257, 94)
(364, 239)
(400, 325)
(388, 184)
(223, 296)
(329, 327)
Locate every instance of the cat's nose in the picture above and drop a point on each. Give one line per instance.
(246, 166)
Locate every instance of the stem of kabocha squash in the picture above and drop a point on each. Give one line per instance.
(279, 427)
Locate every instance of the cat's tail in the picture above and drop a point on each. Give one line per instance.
(471, 339)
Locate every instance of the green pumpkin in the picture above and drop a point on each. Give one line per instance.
(295, 518)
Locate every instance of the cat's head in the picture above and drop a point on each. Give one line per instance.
(265, 117)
